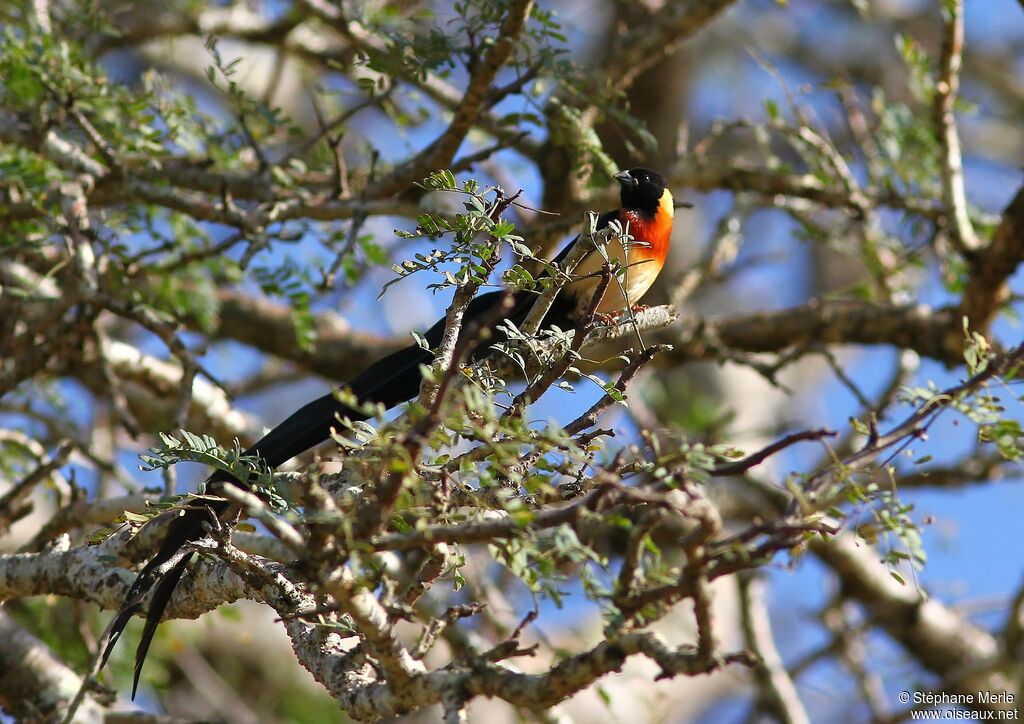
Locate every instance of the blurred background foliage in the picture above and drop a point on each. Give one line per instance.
(246, 165)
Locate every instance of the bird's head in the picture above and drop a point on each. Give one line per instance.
(643, 190)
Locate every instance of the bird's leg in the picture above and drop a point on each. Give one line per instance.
(607, 319)
(611, 319)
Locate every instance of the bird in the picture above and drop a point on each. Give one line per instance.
(645, 210)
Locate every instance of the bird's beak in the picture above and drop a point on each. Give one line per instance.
(626, 180)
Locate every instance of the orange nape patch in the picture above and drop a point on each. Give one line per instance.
(643, 260)
(652, 234)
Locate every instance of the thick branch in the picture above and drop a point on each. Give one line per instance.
(36, 685)
(646, 45)
(991, 268)
(440, 153)
(338, 352)
(940, 639)
(84, 573)
(778, 692)
(916, 327)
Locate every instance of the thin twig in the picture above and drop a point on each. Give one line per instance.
(961, 229)
(741, 466)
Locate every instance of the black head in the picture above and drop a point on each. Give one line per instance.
(642, 189)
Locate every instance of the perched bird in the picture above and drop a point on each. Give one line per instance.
(646, 210)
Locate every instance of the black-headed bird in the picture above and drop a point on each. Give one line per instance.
(645, 211)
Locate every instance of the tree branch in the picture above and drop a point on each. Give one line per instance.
(36, 685)
(948, 82)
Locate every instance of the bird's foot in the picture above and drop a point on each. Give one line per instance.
(612, 319)
(607, 319)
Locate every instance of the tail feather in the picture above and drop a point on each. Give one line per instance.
(161, 574)
(157, 604)
(132, 603)
(394, 379)
(389, 382)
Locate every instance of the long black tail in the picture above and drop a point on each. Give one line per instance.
(390, 381)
